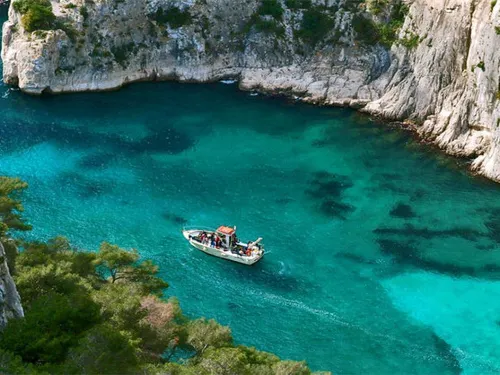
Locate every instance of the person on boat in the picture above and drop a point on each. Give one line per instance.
(248, 251)
(217, 242)
(212, 240)
(203, 236)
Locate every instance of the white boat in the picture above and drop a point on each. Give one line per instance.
(223, 243)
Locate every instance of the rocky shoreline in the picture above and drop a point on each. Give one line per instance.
(441, 74)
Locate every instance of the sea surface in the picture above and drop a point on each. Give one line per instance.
(383, 254)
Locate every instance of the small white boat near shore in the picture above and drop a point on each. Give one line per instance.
(223, 243)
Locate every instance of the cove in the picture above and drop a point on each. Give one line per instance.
(383, 255)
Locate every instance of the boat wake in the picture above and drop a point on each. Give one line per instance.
(417, 351)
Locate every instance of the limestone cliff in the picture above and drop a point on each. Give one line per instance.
(442, 71)
(10, 302)
(450, 83)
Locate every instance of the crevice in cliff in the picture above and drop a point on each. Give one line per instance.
(468, 40)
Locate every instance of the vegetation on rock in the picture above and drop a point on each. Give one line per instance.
(390, 16)
(270, 8)
(36, 14)
(102, 313)
(172, 16)
(315, 25)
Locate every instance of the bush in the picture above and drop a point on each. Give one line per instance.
(269, 27)
(316, 24)
(497, 30)
(410, 41)
(50, 327)
(270, 8)
(173, 16)
(298, 4)
(84, 12)
(121, 53)
(385, 33)
(366, 30)
(36, 14)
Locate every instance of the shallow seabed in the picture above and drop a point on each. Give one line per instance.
(383, 255)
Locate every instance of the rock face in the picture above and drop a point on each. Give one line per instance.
(450, 83)
(442, 73)
(10, 302)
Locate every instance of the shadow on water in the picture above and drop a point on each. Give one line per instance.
(15, 136)
(327, 190)
(83, 187)
(174, 218)
(492, 223)
(407, 254)
(409, 230)
(97, 160)
(445, 352)
(402, 211)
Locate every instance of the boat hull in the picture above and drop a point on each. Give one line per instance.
(219, 253)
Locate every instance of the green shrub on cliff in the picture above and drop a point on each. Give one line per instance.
(172, 16)
(270, 8)
(298, 4)
(269, 27)
(36, 14)
(391, 15)
(315, 25)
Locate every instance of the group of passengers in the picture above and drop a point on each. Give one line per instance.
(213, 240)
(210, 239)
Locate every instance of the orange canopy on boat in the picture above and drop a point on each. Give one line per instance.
(225, 230)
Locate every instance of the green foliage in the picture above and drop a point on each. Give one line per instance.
(36, 14)
(298, 4)
(384, 32)
(480, 65)
(121, 53)
(53, 267)
(172, 16)
(270, 8)
(269, 27)
(492, 5)
(49, 328)
(204, 334)
(12, 364)
(497, 30)
(84, 13)
(410, 40)
(498, 95)
(103, 350)
(376, 7)
(11, 207)
(70, 6)
(69, 29)
(365, 29)
(120, 305)
(118, 264)
(316, 24)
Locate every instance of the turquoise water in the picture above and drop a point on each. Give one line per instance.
(383, 254)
